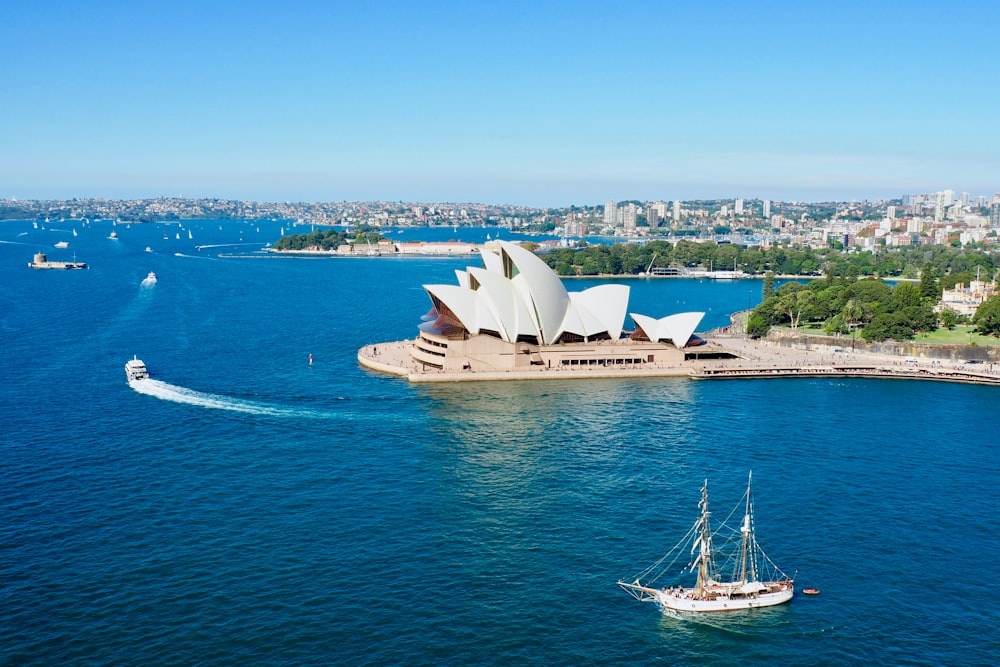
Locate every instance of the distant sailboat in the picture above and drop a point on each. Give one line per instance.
(732, 571)
(189, 234)
(74, 232)
(177, 235)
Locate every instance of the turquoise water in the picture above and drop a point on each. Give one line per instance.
(251, 508)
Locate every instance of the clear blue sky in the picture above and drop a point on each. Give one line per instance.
(538, 103)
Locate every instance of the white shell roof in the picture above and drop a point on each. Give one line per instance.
(676, 328)
(516, 294)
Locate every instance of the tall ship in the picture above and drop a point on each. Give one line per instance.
(730, 571)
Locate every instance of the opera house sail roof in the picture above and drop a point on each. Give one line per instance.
(517, 298)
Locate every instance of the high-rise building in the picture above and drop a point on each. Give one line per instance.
(767, 208)
(610, 213)
(653, 217)
(949, 197)
(739, 207)
(939, 207)
(995, 215)
(677, 212)
(891, 213)
(629, 214)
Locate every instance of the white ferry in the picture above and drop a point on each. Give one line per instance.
(135, 369)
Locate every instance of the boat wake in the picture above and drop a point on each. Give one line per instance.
(168, 392)
(180, 254)
(222, 245)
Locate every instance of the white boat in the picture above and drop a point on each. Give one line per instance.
(62, 244)
(151, 278)
(148, 249)
(189, 234)
(135, 369)
(113, 235)
(731, 570)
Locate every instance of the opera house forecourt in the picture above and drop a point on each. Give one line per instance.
(513, 318)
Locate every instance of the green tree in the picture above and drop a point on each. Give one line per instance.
(768, 285)
(929, 287)
(906, 295)
(949, 318)
(757, 325)
(987, 318)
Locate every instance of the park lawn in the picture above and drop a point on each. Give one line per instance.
(962, 334)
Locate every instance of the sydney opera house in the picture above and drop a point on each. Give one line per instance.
(514, 315)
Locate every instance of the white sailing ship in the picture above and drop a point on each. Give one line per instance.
(731, 571)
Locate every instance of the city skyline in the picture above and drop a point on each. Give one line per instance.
(544, 104)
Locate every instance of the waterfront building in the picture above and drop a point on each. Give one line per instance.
(514, 314)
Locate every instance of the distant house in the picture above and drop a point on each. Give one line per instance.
(966, 300)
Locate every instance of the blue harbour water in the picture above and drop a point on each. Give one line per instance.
(248, 508)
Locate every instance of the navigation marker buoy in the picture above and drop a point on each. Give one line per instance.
(310, 359)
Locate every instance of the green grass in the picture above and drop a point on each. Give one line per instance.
(962, 334)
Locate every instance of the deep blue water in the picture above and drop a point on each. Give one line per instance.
(256, 509)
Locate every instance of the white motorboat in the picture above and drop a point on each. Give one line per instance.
(135, 369)
(150, 278)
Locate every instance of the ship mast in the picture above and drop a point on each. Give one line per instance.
(704, 543)
(748, 560)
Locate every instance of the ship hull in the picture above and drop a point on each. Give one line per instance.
(676, 602)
